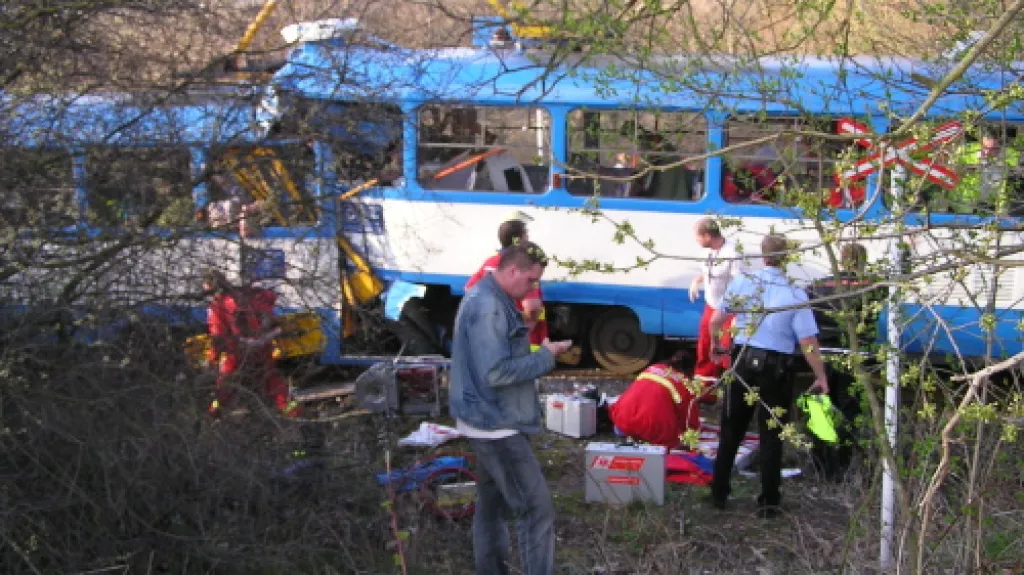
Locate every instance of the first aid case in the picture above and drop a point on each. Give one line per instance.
(617, 474)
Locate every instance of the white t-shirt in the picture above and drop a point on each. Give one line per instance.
(471, 432)
(719, 268)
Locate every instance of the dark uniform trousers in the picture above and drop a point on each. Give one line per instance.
(768, 372)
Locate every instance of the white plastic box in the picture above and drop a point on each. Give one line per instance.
(554, 412)
(570, 415)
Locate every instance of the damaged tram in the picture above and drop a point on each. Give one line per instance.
(494, 127)
(387, 171)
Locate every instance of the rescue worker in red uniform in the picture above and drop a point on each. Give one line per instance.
(242, 328)
(658, 407)
(513, 231)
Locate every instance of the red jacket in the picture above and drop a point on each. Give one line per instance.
(745, 187)
(232, 317)
(657, 407)
(540, 330)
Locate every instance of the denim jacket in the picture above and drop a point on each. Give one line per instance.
(492, 381)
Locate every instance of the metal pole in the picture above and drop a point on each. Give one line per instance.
(892, 372)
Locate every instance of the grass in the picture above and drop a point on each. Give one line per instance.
(684, 535)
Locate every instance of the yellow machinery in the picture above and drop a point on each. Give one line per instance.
(264, 174)
(254, 26)
(261, 172)
(301, 335)
(363, 285)
(232, 62)
(515, 14)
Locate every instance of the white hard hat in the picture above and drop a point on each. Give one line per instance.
(516, 215)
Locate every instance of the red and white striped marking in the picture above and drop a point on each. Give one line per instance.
(901, 153)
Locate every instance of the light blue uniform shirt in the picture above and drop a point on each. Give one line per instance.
(768, 288)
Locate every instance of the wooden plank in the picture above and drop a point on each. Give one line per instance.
(324, 392)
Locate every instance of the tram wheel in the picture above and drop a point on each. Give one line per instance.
(618, 344)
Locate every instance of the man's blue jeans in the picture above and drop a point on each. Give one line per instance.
(510, 480)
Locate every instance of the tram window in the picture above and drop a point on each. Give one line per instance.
(37, 189)
(139, 186)
(366, 141)
(272, 182)
(365, 137)
(779, 161)
(986, 160)
(484, 149)
(650, 147)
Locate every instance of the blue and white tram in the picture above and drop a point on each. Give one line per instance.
(491, 128)
(477, 131)
(126, 189)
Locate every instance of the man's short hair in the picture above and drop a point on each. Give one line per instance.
(523, 256)
(709, 226)
(773, 250)
(511, 233)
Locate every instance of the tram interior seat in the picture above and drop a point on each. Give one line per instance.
(539, 176)
(606, 187)
(501, 173)
(677, 183)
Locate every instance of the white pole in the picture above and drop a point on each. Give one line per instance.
(541, 140)
(892, 372)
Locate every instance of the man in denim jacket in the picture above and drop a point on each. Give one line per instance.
(493, 397)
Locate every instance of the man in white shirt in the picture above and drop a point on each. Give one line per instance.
(721, 265)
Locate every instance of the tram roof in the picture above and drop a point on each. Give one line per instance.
(822, 85)
(71, 120)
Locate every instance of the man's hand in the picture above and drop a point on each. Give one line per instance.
(820, 383)
(812, 352)
(557, 347)
(695, 287)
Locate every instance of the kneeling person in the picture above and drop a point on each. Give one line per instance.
(658, 407)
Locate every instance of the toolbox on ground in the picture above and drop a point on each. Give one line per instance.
(409, 385)
(570, 415)
(624, 473)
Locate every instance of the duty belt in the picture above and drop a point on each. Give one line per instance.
(768, 356)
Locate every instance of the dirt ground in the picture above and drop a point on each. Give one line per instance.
(825, 527)
(337, 513)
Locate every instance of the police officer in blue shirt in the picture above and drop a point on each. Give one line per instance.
(763, 354)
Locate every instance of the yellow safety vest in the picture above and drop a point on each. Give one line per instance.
(664, 382)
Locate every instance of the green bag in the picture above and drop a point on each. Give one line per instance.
(821, 416)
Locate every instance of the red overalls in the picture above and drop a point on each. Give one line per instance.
(229, 319)
(657, 407)
(705, 367)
